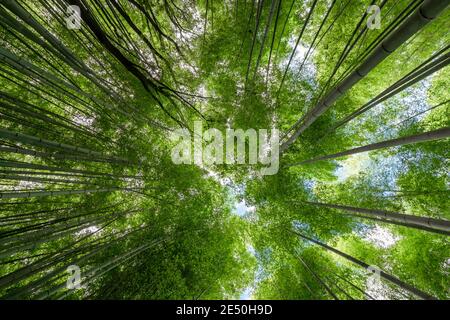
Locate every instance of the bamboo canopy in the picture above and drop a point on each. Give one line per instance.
(100, 100)
(428, 11)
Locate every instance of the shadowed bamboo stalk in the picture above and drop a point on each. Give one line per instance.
(428, 222)
(30, 194)
(25, 138)
(321, 282)
(421, 137)
(383, 274)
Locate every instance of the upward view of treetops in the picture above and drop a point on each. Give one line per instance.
(93, 94)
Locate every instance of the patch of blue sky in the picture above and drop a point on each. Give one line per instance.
(239, 205)
(301, 226)
(351, 166)
(247, 293)
(409, 103)
(308, 70)
(309, 184)
(383, 171)
(241, 208)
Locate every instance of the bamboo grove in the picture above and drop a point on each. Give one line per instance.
(87, 121)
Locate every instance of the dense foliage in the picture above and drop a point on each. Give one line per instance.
(87, 121)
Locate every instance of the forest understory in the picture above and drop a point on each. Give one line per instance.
(94, 95)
